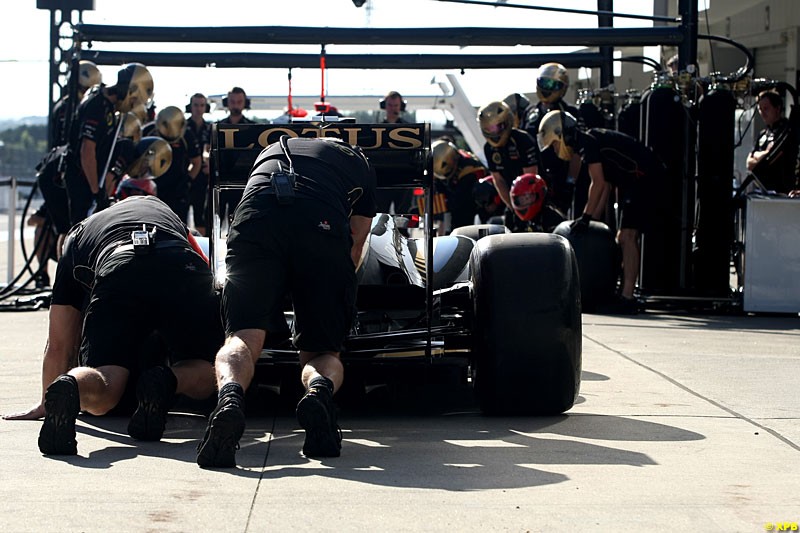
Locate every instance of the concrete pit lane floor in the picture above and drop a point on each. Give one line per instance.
(684, 422)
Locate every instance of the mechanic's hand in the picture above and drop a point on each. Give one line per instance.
(34, 413)
(580, 225)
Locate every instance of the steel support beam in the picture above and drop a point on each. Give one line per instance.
(340, 61)
(386, 36)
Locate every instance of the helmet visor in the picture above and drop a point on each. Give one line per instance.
(549, 84)
(524, 201)
(494, 131)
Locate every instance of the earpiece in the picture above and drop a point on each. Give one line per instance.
(189, 105)
(246, 102)
(393, 94)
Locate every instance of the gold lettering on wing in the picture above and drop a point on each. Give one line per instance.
(229, 141)
(406, 137)
(266, 135)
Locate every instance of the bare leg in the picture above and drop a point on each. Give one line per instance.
(629, 242)
(326, 364)
(236, 359)
(195, 378)
(100, 388)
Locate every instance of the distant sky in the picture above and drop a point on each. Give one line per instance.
(24, 46)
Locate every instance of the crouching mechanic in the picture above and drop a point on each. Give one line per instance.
(301, 226)
(612, 158)
(532, 205)
(133, 266)
(459, 171)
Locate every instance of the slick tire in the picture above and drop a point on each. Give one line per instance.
(478, 231)
(599, 259)
(526, 331)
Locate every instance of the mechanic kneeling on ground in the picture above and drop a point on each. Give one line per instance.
(617, 159)
(126, 273)
(301, 226)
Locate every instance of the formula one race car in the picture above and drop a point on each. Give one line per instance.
(505, 308)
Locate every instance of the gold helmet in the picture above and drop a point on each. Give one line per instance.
(552, 83)
(134, 86)
(496, 122)
(88, 75)
(519, 107)
(558, 126)
(171, 123)
(131, 127)
(445, 159)
(153, 158)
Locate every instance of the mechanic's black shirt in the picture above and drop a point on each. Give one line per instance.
(518, 152)
(96, 123)
(56, 134)
(201, 132)
(86, 241)
(175, 181)
(625, 160)
(460, 203)
(777, 170)
(537, 113)
(243, 120)
(326, 173)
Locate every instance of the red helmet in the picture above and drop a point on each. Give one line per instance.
(135, 187)
(527, 195)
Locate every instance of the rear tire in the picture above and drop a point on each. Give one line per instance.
(478, 231)
(599, 260)
(527, 324)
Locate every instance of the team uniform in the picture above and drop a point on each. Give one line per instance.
(777, 170)
(459, 190)
(127, 295)
(303, 246)
(95, 122)
(173, 186)
(629, 165)
(519, 152)
(199, 186)
(561, 187)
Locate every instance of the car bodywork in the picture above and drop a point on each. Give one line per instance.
(419, 301)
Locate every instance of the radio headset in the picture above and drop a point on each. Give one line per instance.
(283, 182)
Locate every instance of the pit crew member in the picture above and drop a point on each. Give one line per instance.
(301, 226)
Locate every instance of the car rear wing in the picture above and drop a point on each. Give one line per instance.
(399, 153)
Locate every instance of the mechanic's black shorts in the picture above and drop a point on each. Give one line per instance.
(641, 205)
(169, 291)
(303, 250)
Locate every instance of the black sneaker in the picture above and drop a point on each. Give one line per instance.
(154, 392)
(219, 444)
(317, 415)
(620, 306)
(61, 406)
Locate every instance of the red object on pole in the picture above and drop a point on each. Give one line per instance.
(322, 72)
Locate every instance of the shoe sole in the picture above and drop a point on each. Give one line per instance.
(218, 449)
(57, 436)
(150, 418)
(321, 439)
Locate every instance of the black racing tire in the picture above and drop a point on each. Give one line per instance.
(478, 231)
(599, 262)
(527, 324)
